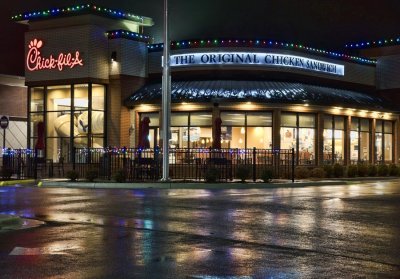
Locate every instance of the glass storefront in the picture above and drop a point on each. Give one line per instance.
(298, 132)
(333, 134)
(73, 116)
(360, 140)
(246, 130)
(191, 130)
(384, 141)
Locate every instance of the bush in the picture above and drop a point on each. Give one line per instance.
(91, 175)
(6, 173)
(243, 172)
(362, 169)
(72, 175)
(352, 171)
(119, 176)
(267, 175)
(328, 170)
(372, 170)
(211, 175)
(383, 170)
(393, 170)
(301, 172)
(338, 170)
(317, 173)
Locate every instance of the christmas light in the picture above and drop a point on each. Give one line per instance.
(376, 43)
(83, 9)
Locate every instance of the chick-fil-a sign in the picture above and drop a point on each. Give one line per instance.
(35, 62)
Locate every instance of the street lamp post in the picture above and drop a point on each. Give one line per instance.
(166, 97)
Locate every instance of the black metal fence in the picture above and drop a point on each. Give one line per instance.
(146, 164)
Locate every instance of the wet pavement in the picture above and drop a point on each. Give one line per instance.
(349, 231)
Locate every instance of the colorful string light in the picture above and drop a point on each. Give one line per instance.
(371, 44)
(256, 43)
(82, 9)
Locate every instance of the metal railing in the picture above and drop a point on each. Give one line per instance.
(138, 164)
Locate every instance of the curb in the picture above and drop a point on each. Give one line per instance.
(14, 182)
(9, 220)
(187, 185)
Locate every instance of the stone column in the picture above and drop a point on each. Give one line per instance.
(372, 148)
(276, 129)
(319, 155)
(347, 128)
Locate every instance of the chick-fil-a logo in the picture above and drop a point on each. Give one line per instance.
(35, 62)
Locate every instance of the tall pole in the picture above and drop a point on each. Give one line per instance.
(166, 97)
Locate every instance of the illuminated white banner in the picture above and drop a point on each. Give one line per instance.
(255, 59)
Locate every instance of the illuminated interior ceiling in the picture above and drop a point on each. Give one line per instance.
(259, 91)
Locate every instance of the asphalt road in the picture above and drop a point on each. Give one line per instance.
(350, 231)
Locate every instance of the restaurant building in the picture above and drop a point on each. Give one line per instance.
(93, 78)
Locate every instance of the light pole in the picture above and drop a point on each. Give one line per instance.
(166, 97)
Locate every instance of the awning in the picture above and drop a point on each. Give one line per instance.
(259, 91)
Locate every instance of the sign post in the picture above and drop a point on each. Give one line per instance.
(4, 121)
(166, 97)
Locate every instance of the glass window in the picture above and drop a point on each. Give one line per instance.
(301, 137)
(339, 122)
(288, 120)
(153, 117)
(81, 124)
(379, 126)
(333, 139)
(98, 97)
(200, 119)
(384, 141)
(81, 97)
(360, 139)
(37, 99)
(328, 122)
(364, 125)
(388, 128)
(179, 119)
(232, 119)
(262, 119)
(257, 133)
(59, 98)
(306, 121)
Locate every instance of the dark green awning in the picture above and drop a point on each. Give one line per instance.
(259, 91)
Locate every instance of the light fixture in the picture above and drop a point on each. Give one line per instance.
(242, 131)
(113, 56)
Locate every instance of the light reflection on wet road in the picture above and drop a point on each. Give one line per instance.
(313, 232)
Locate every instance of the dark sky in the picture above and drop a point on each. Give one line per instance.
(327, 24)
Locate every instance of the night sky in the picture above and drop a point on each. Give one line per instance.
(327, 24)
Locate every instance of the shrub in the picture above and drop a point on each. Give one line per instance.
(301, 172)
(267, 175)
(72, 175)
(372, 170)
(317, 173)
(243, 172)
(91, 175)
(338, 170)
(211, 175)
(393, 170)
(6, 173)
(362, 169)
(328, 170)
(119, 176)
(383, 170)
(352, 171)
